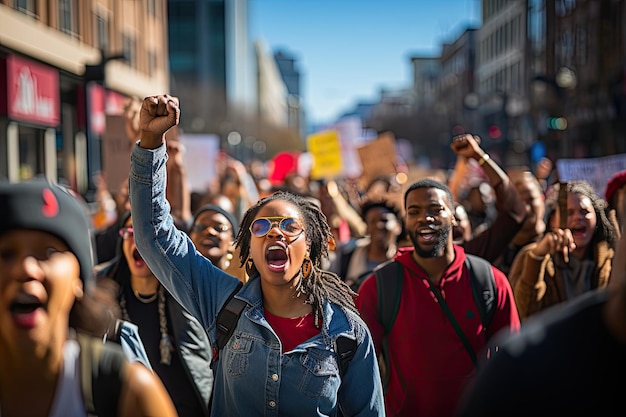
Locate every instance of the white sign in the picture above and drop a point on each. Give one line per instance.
(596, 171)
(200, 158)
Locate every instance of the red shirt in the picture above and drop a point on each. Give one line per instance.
(292, 331)
(429, 364)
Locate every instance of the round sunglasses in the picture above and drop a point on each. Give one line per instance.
(290, 226)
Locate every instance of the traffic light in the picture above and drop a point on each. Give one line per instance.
(494, 132)
(556, 123)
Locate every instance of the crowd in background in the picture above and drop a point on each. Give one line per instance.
(549, 244)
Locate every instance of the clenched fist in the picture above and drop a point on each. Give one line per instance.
(158, 114)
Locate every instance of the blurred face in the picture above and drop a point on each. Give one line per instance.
(136, 264)
(429, 221)
(382, 226)
(278, 255)
(462, 230)
(39, 278)
(531, 195)
(581, 220)
(121, 198)
(212, 234)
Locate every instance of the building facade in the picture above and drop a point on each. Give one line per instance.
(66, 67)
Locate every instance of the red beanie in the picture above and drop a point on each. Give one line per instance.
(615, 183)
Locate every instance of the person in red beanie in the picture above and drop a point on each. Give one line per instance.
(614, 196)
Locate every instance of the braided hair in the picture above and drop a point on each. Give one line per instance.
(319, 285)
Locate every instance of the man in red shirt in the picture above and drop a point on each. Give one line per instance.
(429, 366)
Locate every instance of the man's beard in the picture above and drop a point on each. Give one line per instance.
(441, 239)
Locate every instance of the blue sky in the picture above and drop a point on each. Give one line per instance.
(348, 50)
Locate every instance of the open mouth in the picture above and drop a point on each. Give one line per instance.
(210, 243)
(276, 257)
(137, 259)
(24, 311)
(427, 234)
(578, 231)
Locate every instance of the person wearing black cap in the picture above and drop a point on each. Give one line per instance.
(49, 316)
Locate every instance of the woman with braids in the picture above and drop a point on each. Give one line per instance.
(281, 358)
(572, 258)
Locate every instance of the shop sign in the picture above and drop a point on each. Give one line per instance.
(32, 93)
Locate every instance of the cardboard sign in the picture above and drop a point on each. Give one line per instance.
(116, 149)
(325, 149)
(378, 157)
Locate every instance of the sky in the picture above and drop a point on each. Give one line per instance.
(347, 50)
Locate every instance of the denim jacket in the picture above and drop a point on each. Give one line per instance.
(252, 376)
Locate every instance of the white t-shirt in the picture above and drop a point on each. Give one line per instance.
(68, 399)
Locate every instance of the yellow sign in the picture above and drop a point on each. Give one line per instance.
(325, 148)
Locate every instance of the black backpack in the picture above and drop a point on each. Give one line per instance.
(228, 317)
(389, 277)
(102, 367)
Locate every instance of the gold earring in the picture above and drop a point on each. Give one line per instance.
(307, 267)
(250, 268)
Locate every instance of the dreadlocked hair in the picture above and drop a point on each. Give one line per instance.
(320, 285)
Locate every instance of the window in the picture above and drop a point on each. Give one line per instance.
(129, 50)
(152, 8)
(67, 16)
(28, 7)
(102, 33)
(152, 63)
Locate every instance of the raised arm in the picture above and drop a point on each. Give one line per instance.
(507, 199)
(199, 286)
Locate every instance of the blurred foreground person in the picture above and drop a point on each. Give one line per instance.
(49, 320)
(281, 358)
(569, 360)
(176, 345)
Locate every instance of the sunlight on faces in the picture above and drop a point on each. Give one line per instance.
(216, 237)
(429, 221)
(581, 219)
(39, 280)
(276, 256)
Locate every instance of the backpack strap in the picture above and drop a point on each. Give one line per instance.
(345, 348)
(227, 319)
(483, 287)
(389, 287)
(103, 368)
(389, 277)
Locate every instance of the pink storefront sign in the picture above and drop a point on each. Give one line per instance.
(32, 92)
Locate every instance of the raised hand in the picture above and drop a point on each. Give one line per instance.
(158, 114)
(467, 145)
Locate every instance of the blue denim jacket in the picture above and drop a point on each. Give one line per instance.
(252, 376)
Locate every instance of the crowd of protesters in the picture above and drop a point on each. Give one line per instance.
(306, 261)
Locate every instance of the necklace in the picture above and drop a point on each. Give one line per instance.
(165, 345)
(146, 299)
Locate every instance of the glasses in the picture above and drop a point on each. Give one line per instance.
(290, 226)
(219, 228)
(127, 232)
